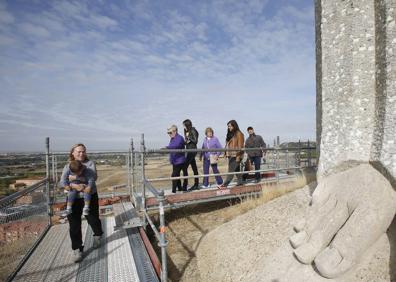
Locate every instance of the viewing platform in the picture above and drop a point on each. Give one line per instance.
(122, 256)
(34, 248)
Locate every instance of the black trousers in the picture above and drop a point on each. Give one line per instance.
(190, 160)
(75, 221)
(175, 173)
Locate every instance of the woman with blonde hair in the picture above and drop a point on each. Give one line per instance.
(79, 153)
(210, 159)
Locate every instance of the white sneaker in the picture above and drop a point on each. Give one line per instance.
(86, 211)
(77, 255)
(96, 241)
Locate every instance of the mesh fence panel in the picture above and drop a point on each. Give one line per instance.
(23, 220)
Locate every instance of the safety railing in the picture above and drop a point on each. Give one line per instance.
(24, 220)
(25, 216)
(276, 160)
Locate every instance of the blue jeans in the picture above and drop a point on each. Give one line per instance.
(72, 195)
(257, 165)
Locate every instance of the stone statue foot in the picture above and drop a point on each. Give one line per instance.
(330, 262)
(350, 211)
(298, 239)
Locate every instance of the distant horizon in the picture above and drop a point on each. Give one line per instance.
(137, 148)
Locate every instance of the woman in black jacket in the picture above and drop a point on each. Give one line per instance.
(191, 139)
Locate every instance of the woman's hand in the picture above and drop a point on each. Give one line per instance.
(72, 177)
(87, 189)
(78, 187)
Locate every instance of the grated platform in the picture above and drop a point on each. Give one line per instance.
(115, 260)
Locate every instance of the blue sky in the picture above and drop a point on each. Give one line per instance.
(101, 72)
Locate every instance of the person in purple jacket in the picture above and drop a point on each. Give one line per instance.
(210, 158)
(176, 159)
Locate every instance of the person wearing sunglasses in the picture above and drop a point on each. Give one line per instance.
(176, 159)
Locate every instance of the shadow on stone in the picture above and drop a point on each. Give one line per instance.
(309, 178)
(392, 242)
(385, 172)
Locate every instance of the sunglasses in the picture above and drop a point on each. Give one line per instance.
(170, 132)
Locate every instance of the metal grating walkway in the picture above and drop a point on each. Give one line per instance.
(118, 258)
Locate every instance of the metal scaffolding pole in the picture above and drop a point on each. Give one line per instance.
(132, 171)
(163, 243)
(309, 154)
(47, 176)
(142, 159)
(128, 169)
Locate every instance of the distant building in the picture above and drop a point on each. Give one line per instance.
(22, 183)
(17, 186)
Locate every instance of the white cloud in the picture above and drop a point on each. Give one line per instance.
(103, 22)
(29, 29)
(136, 67)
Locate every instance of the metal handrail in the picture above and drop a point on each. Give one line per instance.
(152, 225)
(167, 151)
(62, 153)
(215, 174)
(152, 189)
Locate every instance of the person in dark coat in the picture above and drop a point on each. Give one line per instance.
(191, 141)
(255, 141)
(79, 152)
(176, 159)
